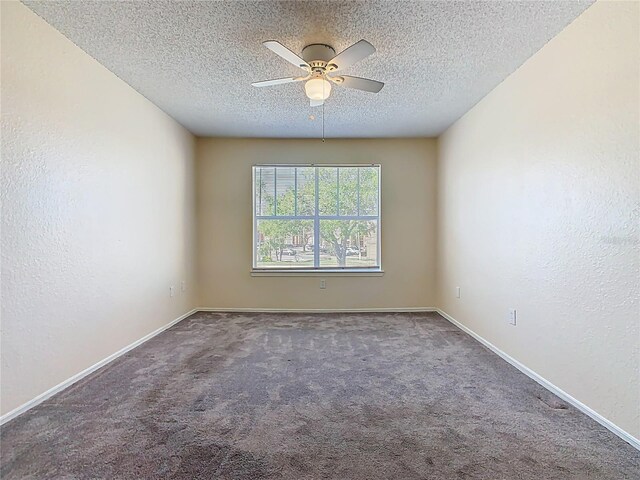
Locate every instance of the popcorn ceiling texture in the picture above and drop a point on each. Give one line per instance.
(196, 60)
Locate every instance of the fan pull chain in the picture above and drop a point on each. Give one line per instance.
(323, 113)
(323, 123)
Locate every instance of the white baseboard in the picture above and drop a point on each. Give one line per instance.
(78, 376)
(527, 371)
(70, 381)
(318, 310)
(627, 437)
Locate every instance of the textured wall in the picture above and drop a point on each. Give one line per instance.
(539, 187)
(407, 218)
(97, 216)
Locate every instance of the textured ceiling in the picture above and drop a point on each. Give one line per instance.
(196, 60)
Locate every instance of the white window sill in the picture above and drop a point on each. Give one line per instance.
(318, 273)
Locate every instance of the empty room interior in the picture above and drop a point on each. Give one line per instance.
(349, 240)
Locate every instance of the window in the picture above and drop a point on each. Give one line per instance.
(310, 217)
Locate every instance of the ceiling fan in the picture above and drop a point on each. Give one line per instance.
(318, 60)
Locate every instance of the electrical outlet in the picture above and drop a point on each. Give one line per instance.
(512, 316)
(457, 292)
(323, 283)
(171, 290)
(183, 286)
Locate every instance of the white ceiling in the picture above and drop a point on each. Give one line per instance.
(196, 59)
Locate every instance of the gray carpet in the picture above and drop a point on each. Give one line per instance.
(288, 396)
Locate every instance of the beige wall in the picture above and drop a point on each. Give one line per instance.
(97, 214)
(538, 194)
(225, 225)
(539, 189)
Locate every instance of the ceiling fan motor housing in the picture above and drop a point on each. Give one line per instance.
(317, 55)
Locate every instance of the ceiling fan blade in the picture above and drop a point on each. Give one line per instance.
(316, 103)
(277, 81)
(351, 55)
(358, 83)
(288, 55)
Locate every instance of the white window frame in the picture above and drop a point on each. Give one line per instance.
(375, 270)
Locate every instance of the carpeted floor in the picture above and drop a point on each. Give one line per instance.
(288, 396)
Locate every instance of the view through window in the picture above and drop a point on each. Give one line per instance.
(316, 217)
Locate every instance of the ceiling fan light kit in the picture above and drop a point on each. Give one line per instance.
(318, 60)
(317, 89)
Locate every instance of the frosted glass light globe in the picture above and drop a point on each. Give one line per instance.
(317, 89)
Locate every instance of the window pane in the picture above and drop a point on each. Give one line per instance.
(369, 190)
(264, 178)
(306, 191)
(290, 191)
(284, 244)
(328, 186)
(285, 191)
(348, 243)
(348, 191)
